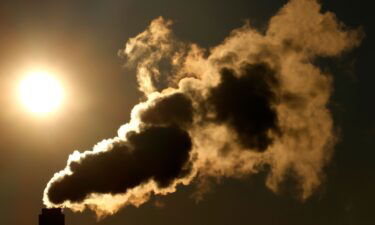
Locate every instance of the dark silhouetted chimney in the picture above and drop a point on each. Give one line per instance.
(53, 216)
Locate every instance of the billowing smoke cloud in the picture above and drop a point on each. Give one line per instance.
(256, 100)
(144, 156)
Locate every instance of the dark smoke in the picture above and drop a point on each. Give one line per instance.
(246, 103)
(158, 153)
(161, 150)
(174, 109)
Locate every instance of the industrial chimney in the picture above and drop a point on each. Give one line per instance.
(53, 216)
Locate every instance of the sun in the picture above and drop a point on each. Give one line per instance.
(40, 92)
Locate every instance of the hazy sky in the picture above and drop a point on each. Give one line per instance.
(80, 40)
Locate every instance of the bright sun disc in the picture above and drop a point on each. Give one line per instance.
(40, 93)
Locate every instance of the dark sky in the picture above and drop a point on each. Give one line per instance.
(81, 39)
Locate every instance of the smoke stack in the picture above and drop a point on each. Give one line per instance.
(51, 216)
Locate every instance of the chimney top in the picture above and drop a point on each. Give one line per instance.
(51, 216)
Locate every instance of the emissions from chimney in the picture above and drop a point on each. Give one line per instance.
(257, 102)
(51, 216)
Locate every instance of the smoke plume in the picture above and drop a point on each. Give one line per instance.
(257, 99)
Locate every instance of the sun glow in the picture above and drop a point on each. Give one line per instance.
(40, 92)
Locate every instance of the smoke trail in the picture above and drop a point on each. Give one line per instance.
(256, 100)
(126, 165)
